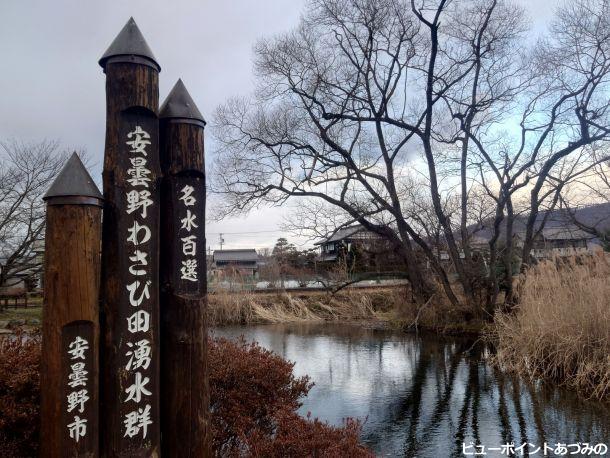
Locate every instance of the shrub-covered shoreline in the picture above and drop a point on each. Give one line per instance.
(254, 397)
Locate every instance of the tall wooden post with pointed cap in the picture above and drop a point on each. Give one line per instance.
(69, 370)
(185, 423)
(130, 264)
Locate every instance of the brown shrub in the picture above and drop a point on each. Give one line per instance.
(248, 384)
(438, 315)
(297, 437)
(19, 395)
(254, 396)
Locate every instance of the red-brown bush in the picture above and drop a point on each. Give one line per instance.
(299, 437)
(254, 396)
(19, 396)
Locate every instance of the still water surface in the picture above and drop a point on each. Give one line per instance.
(424, 396)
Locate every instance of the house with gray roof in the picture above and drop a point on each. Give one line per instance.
(566, 231)
(238, 262)
(344, 239)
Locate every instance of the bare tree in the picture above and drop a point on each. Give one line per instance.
(364, 90)
(26, 171)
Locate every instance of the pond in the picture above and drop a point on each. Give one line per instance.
(425, 396)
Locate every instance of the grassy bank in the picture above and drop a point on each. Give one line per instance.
(28, 318)
(438, 316)
(561, 329)
(250, 308)
(387, 306)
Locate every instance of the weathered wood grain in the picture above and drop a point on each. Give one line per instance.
(185, 402)
(72, 263)
(132, 99)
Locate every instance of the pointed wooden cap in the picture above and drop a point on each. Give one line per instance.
(180, 105)
(73, 185)
(130, 46)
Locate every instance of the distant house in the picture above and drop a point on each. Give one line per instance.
(28, 276)
(15, 284)
(561, 236)
(231, 263)
(344, 240)
(364, 251)
(557, 241)
(21, 282)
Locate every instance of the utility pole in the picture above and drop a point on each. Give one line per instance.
(70, 344)
(185, 424)
(130, 250)
(221, 240)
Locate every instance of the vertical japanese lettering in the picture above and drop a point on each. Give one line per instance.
(137, 347)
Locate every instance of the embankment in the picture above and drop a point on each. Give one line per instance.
(383, 306)
(353, 304)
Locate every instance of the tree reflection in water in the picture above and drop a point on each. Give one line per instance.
(425, 396)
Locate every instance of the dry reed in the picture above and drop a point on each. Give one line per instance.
(561, 329)
(246, 307)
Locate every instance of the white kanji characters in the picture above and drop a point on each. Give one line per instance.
(188, 222)
(78, 376)
(139, 258)
(77, 399)
(77, 348)
(138, 173)
(189, 245)
(144, 294)
(188, 270)
(138, 199)
(187, 197)
(138, 322)
(136, 421)
(78, 428)
(134, 234)
(139, 351)
(140, 142)
(139, 357)
(137, 389)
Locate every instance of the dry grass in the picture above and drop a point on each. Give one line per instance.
(561, 330)
(246, 307)
(388, 305)
(438, 315)
(31, 312)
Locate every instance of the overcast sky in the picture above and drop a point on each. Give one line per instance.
(53, 88)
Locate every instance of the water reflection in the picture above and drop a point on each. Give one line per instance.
(424, 396)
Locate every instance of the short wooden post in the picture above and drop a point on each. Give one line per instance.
(185, 423)
(69, 372)
(130, 250)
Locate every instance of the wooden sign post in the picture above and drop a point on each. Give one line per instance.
(69, 372)
(130, 250)
(185, 423)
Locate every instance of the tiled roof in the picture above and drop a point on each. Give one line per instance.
(248, 255)
(356, 231)
(559, 224)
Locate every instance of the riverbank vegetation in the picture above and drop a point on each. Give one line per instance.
(244, 307)
(254, 397)
(560, 330)
(384, 306)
